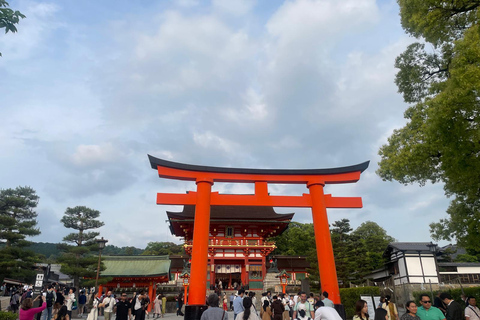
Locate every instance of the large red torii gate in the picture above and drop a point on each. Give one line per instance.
(203, 198)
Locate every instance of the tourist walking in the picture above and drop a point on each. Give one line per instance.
(411, 313)
(266, 310)
(471, 311)
(62, 314)
(50, 298)
(82, 300)
(238, 303)
(247, 314)
(27, 312)
(391, 308)
(302, 303)
(180, 305)
(138, 305)
(15, 302)
(123, 307)
(70, 299)
(225, 302)
(327, 313)
(381, 314)
(157, 306)
(214, 312)
(361, 310)
(95, 302)
(454, 310)
(427, 311)
(277, 309)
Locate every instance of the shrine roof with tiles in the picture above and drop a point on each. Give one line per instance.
(262, 216)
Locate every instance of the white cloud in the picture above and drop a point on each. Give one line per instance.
(91, 155)
(296, 84)
(234, 7)
(28, 42)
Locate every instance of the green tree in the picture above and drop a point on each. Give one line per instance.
(17, 221)
(113, 250)
(375, 240)
(441, 140)
(77, 259)
(344, 250)
(296, 240)
(163, 248)
(358, 252)
(9, 18)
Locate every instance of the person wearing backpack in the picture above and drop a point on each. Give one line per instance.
(50, 298)
(305, 305)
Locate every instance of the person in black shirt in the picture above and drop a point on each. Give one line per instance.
(123, 308)
(454, 310)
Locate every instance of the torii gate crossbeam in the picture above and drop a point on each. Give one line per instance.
(203, 198)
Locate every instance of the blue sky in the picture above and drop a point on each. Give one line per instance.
(90, 88)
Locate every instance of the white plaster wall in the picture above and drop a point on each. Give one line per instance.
(429, 268)
(416, 279)
(414, 267)
(401, 267)
(468, 270)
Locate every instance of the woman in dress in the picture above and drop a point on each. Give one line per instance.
(157, 306)
(266, 311)
(391, 308)
(93, 314)
(247, 314)
(361, 310)
(411, 311)
(26, 310)
(225, 302)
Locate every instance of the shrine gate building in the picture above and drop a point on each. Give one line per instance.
(238, 244)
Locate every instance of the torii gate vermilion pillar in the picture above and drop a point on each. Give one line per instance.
(205, 177)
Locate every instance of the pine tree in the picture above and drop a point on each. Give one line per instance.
(78, 259)
(17, 221)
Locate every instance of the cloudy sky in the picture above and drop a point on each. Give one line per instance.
(89, 88)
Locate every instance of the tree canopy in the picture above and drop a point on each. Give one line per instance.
(9, 18)
(163, 248)
(356, 252)
(77, 259)
(441, 140)
(17, 221)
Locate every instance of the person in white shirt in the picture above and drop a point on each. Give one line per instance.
(327, 313)
(70, 299)
(471, 311)
(109, 302)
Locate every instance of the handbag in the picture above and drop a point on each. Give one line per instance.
(74, 305)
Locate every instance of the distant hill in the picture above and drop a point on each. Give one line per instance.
(50, 251)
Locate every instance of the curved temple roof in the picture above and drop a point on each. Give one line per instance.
(155, 162)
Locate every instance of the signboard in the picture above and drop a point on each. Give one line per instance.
(38, 283)
(372, 302)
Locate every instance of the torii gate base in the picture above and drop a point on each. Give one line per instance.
(203, 198)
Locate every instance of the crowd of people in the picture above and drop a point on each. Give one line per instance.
(275, 307)
(443, 307)
(57, 302)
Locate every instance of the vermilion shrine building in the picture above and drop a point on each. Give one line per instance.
(238, 247)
